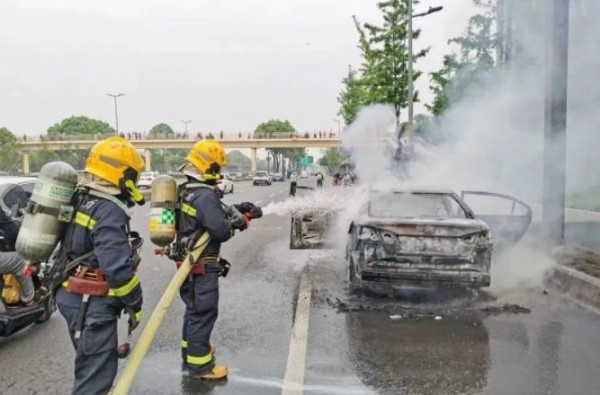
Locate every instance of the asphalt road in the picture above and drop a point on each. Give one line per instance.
(289, 325)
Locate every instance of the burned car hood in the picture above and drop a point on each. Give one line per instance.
(426, 227)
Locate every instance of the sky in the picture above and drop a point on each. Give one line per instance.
(225, 65)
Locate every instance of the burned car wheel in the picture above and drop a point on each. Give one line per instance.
(352, 279)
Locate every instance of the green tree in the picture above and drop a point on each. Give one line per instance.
(38, 159)
(282, 129)
(9, 154)
(332, 159)
(384, 71)
(161, 130)
(467, 68)
(80, 126)
(237, 161)
(351, 97)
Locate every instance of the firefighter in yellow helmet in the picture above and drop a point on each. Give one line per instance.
(98, 287)
(202, 211)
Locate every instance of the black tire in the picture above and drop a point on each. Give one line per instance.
(49, 308)
(352, 273)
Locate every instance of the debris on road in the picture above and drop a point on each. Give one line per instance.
(505, 309)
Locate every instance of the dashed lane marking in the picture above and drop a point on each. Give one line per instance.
(293, 381)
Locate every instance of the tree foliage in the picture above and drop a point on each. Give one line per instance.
(467, 68)
(80, 125)
(161, 130)
(332, 159)
(237, 161)
(38, 159)
(384, 70)
(351, 97)
(283, 128)
(9, 153)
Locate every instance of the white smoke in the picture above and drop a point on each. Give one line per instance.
(494, 135)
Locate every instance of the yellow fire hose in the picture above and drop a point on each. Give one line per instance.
(143, 344)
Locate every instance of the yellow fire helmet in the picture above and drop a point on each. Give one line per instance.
(117, 161)
(208, 156)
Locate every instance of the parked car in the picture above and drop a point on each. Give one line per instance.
(421, 238)
(15, 192)
(146, 178)
(303, 174)
(277, 177)
(261, 178)
(225, 184)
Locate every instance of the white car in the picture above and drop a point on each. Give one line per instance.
(146, 178)
(225, 184)
(261, 178)
(304, 174)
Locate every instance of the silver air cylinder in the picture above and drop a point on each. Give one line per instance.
(47, 212)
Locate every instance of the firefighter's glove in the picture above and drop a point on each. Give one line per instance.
(225, 266)
(133, 307)
(135, 317)
(250, 210)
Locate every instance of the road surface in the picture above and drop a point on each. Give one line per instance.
(289, 325)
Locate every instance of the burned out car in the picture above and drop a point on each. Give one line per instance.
(422, 237)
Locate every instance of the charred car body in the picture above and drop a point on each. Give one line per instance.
(424, 238)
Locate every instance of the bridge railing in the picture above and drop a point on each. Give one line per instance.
(136, 136)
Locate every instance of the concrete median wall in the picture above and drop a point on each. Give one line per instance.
(575, 284)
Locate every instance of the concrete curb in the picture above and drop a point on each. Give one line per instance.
(579, 286)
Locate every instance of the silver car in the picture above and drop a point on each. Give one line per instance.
(424, 238)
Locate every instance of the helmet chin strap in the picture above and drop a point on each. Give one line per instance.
(135, 193)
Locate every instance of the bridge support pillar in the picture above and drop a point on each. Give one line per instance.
(26, 163)
(148, 158)
(253, 159)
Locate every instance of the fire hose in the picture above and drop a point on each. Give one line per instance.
(143, 344)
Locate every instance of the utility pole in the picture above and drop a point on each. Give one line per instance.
(185, 125)
(557, 61)
(115, 96)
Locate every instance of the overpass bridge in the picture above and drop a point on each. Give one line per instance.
(147, 145)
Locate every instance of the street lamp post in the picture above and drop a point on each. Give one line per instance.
(185, 123)
(115, 96)
(339, 123)
(410, 58)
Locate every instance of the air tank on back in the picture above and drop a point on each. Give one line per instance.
(47, 212)
(162, 210)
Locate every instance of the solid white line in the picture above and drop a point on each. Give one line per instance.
(293, 381)
(258, 202)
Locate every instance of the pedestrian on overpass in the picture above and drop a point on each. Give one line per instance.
(201, 211)
(293, 183)
(96, 291)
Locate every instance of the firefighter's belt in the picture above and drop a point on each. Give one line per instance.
(87, 281)
(200, 267)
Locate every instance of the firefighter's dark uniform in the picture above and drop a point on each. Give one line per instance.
(102, 226)
(201, 211)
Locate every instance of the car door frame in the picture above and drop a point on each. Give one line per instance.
(503, 241)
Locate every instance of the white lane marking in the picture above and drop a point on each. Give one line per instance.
(293, 381)
(258, 202)
(272, 195)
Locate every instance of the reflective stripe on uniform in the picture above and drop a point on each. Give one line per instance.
(85, 220)
(184, 343)
(203, 360)
(125, 289)
(189, 210)
(138, 316)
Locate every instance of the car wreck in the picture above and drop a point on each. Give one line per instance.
(425, 238)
